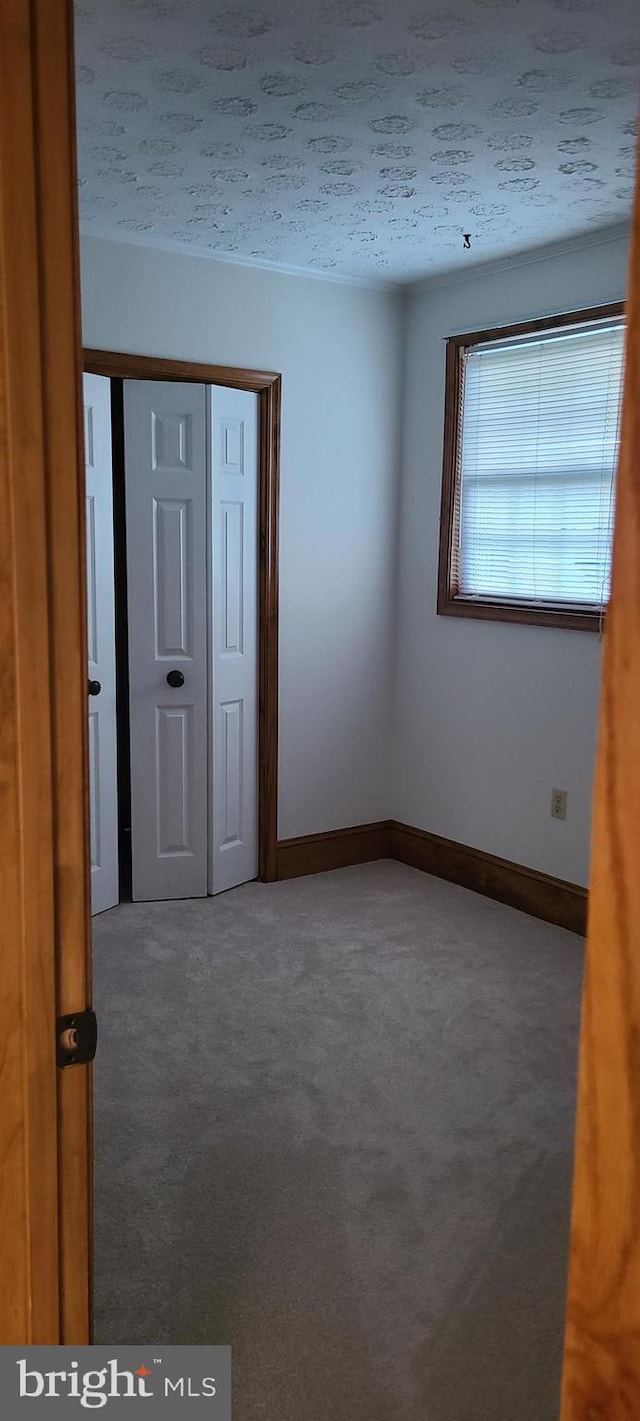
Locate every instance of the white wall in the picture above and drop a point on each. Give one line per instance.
(488, 717)
(339, 349)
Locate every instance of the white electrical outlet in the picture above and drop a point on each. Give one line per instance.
(558, 804)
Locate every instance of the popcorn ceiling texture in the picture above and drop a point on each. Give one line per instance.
(356, 137)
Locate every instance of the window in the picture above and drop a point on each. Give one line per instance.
(531, 441)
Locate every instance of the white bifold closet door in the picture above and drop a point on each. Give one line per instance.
(233, 835)
(103, 783)
(166, 517)
(191, 462)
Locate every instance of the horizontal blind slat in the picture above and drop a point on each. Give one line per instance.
(538, 450)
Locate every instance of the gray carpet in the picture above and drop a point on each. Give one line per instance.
(333, 1127)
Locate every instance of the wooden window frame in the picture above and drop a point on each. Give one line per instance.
(451, 602)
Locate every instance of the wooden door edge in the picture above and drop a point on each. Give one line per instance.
(601, 1377)
(62, 391)
(45, 1207)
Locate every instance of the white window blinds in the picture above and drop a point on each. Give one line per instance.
(538, 450)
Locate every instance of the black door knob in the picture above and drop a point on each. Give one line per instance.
(175, 679)
(94, 688)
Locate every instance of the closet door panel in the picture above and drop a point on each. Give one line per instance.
(103, 774)
(234, 684)
(166, 513)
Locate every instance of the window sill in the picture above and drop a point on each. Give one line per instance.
(526, 614)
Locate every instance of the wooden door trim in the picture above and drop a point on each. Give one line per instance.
(66, 514)
(268, 387)
(28, 1196)
(119, 365)
(44, 1117)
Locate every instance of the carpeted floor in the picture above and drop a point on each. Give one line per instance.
(334, 1128)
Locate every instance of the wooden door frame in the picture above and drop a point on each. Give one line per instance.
(268, 387)
(45, 1114)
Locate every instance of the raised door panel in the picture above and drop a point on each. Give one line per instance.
(232, 550)
(172, 584)
(174, 733)
(94, 790)
(92, 591)
(166, 505)
(231, 779)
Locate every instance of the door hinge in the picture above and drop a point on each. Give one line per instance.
(76, 1038)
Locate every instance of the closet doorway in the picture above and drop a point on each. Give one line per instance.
(183, 658)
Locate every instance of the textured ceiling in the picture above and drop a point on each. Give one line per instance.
(356, 137)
